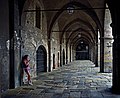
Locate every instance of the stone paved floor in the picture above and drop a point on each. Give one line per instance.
(79, 79)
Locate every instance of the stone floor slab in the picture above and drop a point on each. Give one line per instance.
(78, 79)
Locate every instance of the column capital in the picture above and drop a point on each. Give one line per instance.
(110, 38)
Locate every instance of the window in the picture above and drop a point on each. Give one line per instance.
(38, 17)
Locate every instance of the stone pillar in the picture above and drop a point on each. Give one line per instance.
(108, 54)
(107, 42)
(73, 54)
(17, 42)
(90, 57)
(60, 55)
(102, 53)
(49, 54)
(116, 64)
(11, 22)
(70, 53)
(94, 53)
(4, 45)
(116, 50)
(66, 53)
(96, 49)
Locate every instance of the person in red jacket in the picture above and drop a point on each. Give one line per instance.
(26, 67)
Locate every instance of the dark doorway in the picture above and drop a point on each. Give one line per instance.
(58, 60)
(53, 61)
(82, 51)
(70, 53)
(41, 59)
(63, 57)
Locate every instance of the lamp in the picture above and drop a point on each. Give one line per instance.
(79, 34)
(81, 42)
(70, 8)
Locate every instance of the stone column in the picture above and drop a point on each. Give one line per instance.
(107, 42)
(11, 28)
(116, 50)
(108, 54)
(60, 55)
(49, 54)
(90, 53)
(94, 53)
(17, 43)
(102, 53)
(4, 45)
(70, 53)
(116, 63)
(96, 49)
(66, 53)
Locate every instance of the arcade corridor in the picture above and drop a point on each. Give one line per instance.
(79, 79)
(73, 48)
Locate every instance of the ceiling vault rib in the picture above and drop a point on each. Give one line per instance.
(73, 31)
(66, 9)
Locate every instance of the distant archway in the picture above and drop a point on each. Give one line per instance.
(82, 51)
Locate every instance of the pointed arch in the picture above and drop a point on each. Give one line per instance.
(41, 59)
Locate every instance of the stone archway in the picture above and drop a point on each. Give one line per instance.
(41, 59)
(82, 51)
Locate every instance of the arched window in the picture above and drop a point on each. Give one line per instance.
(38, 17)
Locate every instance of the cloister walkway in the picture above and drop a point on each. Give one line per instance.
(79, 79)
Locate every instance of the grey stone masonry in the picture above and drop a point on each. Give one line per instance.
(79, 79)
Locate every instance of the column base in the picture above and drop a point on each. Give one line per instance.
(116, 89)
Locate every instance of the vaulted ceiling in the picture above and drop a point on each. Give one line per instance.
(87, 18)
